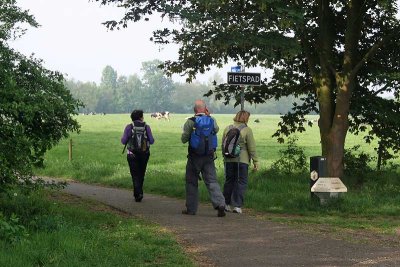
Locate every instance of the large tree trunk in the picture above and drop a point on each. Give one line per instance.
(335, 85)
(334, 124)
(334, 150)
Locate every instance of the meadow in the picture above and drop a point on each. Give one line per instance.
(98, 159)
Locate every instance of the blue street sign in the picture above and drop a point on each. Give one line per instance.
(236, 69)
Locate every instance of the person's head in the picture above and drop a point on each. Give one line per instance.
(137, 114)
(200, 106)
(242, 116)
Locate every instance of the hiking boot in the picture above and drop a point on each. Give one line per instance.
(186, 212)
(139, 198)
(237, 210)
(221, 211)
(228, 208)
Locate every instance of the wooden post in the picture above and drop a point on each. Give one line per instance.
(70, 150)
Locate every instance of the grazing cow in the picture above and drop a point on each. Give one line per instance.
(165, 115)
(257, 121)
(160, 115)
(156, 115)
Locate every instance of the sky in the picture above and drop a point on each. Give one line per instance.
(73, 40)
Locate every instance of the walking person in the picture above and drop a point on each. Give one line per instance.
(200, 131)
(238, 148)
(137, 138)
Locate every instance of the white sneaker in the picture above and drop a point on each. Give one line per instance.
(228, 208)
(237, 210)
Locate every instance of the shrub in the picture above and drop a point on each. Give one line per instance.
(11, 229)
(292, 158)
(32, 210)
(357, 164)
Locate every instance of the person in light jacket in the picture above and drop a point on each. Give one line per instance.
(236, 169)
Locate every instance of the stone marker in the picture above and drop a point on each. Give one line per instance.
(328, 187)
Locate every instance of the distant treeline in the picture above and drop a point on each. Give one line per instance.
(152, 91)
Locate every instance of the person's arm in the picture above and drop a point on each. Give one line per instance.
(187, 131)
(216, 127)
(149, 134)
(251, 147)
(127, 134)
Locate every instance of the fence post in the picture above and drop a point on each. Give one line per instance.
(70, 150)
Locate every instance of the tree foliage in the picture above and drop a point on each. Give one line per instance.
(339, 56)
(36, 109)
(152, 91)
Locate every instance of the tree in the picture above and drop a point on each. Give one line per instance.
(86, 92)
(157, 88)
(36, 110)
(107, 90)
(338, 56)
(128, 93)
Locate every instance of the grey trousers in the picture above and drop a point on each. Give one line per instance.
(204, 165)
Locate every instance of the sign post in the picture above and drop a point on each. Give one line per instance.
(242, 94)
(239, 77)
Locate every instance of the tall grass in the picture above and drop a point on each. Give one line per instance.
(97, 158)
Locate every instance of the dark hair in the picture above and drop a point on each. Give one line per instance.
(137, 114)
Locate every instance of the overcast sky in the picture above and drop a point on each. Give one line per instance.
(72, 40)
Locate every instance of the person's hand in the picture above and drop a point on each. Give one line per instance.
(256, 166)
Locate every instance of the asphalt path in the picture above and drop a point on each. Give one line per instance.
(241, 239)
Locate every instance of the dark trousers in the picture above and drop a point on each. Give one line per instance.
(236, 176)
(137, 166)
(205, 166)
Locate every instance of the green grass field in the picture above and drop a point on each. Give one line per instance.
(68, 231)
(97, 159)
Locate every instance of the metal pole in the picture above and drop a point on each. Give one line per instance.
(242, 94)
(242, 98)
(70, 150)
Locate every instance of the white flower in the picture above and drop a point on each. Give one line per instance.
(15, 194)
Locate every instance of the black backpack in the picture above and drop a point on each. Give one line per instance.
(138, 142)
(230, 144)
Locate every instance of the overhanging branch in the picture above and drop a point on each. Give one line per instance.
(371, 52)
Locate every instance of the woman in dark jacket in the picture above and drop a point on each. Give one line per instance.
(137, 138)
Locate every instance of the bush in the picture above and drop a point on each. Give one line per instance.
(292, 158)
(32, 210)
(11, 230)
(357, 165)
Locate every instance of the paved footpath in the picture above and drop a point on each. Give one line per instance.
(241, 240)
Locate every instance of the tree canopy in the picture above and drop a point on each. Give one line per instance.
(36, 109)
(340, 56)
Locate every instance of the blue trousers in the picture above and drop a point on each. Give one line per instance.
(236, 177)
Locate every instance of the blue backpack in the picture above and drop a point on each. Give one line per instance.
(203, 140)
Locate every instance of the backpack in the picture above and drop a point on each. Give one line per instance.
(230, 144)
(203, 140)
(138, 142)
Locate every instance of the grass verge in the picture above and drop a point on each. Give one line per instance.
(84, 233)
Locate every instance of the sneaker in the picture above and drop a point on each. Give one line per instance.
(186, 212)
(237, 210)
(228, 208)
(221, 211)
